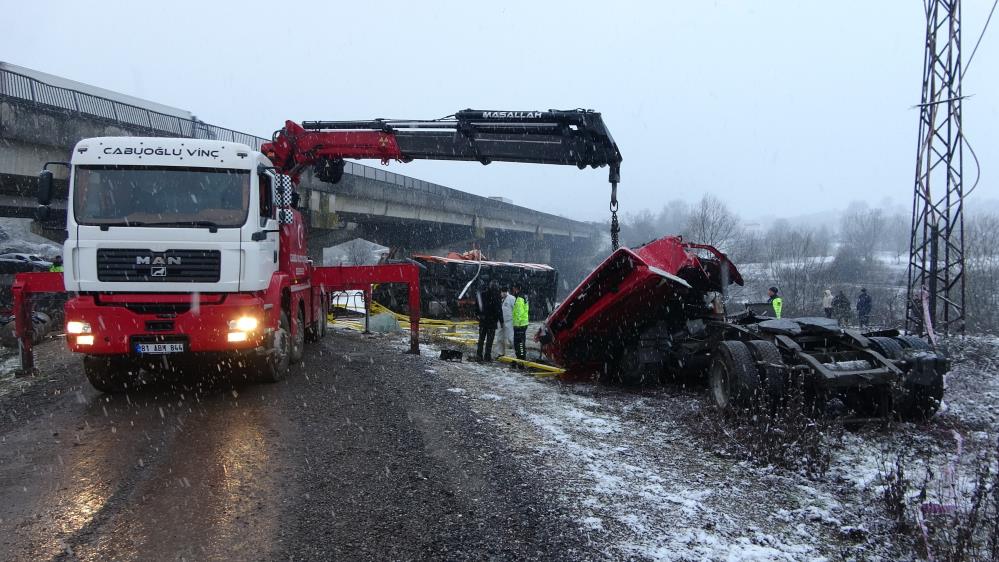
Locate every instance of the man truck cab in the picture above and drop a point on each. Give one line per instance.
(183, 246)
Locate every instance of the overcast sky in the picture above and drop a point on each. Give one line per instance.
(778, 107)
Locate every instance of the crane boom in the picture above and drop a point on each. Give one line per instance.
(575, 137)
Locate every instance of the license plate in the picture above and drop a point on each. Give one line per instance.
(159, 347)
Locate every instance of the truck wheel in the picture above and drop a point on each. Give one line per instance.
(628, 369)
(107, 374)
(887, 347)
(772, 372)
(919, 402)
(733, 376)
(323, 317)
(913, 342)
(274, 366)
(317, 330)
(298, 338)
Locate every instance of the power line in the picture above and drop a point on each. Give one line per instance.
(979, 42)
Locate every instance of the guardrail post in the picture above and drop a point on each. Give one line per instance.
(413, 283)
(24, 329)
(367, 310)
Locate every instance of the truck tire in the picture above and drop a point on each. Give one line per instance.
(628, 369)
(919, 402)
(273, 366)
(41, 325)
(773, 372)
(298, 338)
(888, 347)
(733, 377)
(324, 311)
(108, 374)
(913, 342)
(317, 330)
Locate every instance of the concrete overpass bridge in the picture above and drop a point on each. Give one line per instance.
(43, 116)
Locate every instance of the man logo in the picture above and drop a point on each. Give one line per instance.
(157, 259)
(157, 272)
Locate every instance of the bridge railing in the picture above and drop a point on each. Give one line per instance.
(27, 88)
(15, 85)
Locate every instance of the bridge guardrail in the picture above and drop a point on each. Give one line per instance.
(26, 88)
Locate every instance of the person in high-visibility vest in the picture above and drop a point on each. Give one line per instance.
(56, 266)
(520, 321)
(775, 301)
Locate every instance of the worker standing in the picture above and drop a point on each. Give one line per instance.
(56, 266)
(864, 306)
(775, 301)
(841, 308)
(827, 303)
(506, 332)
(520, 320)
(489, 317)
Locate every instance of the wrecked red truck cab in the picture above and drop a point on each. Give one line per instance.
(590, 330)
(659, 310)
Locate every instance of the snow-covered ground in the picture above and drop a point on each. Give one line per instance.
(645, 482)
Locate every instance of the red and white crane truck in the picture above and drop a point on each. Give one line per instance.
(192, 249)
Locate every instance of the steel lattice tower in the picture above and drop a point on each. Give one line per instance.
(936, 257)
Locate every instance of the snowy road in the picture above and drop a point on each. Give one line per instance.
(366, 453)
(356, 455)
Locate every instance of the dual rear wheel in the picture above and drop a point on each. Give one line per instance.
(745, 375)
(911, 401)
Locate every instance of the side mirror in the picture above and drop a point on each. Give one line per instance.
(44, 187)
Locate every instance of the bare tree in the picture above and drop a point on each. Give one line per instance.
(639, 228)
(673, 218)
(796, 263)
(981, 239)
(711, 222)
(862, 231)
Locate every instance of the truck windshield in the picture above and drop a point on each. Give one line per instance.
(161, 196)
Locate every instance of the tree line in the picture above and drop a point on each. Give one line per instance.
(865, 248)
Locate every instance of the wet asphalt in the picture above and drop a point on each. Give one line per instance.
(360, 454)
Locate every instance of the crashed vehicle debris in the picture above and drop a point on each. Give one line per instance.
(448, 285)
(658, 310)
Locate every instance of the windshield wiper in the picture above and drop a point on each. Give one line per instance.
(106, 225)
(212, 226)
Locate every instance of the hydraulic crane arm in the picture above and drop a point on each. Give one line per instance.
(574, 137)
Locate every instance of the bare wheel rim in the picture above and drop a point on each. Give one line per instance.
(721, 384)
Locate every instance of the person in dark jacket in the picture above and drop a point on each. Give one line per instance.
(864, 306)
(841, 308)
(490, 312)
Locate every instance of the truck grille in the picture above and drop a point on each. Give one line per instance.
(171, 266)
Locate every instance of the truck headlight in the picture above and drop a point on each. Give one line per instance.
(235, 337)
(244, 324)
(75, 327)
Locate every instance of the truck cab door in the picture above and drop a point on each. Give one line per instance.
(269, 229)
